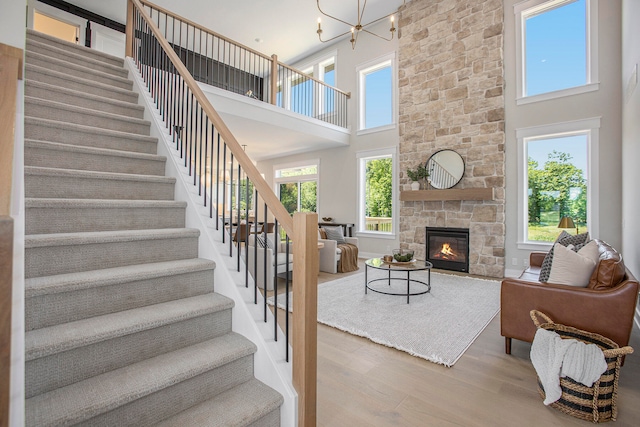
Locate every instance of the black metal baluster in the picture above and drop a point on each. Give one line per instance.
(275, 257)
(224, 187)
(287, 314)
(239, 203)
(202, 136)
(231, 194)
(217, 180)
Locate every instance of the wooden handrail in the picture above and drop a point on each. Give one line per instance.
(320, 82)
(11, 59)
(255, 52)
(302, 228)
(249, 168)
(201, 28)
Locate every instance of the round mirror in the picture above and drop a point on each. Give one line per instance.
(446, 168)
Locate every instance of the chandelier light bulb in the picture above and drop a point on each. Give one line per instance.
(358, 26)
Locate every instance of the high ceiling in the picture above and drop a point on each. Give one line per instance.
(286, 28)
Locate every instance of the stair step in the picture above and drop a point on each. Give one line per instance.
(61, 49)
(48, 216)
(44, 75)
(67, 133)
(56, 64)
(52, 110)
(64, 354)
(73, 184)
(49, 254)
(53, 300)
(65, 156)
(80, 99)
(149, 391)
(250, 403)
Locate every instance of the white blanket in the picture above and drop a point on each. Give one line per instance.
(554, 357)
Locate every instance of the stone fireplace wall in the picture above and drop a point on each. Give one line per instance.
(451, 96)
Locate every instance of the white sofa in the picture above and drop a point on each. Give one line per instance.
(330, 254)
(274, 263)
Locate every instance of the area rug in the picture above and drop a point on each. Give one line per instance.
(438, 326)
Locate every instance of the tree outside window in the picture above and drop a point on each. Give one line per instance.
(557, 185)
(298, 188)
(376, 194)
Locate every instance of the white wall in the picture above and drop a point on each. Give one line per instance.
(604, 103)
(102, 38)
(12, 21)
(630, 135)
(337, 189)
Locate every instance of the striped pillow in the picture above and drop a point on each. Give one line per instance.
(335, 233)
(262, 242)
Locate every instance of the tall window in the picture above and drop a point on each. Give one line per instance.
(376, 94)
(557, 178)
(328, 75)
(297, 187)
(556, 48)
(302, 95)
(376, 192)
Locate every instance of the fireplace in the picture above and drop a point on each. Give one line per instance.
(448, 248)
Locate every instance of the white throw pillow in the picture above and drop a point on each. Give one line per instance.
(590, 250)
(570, 268)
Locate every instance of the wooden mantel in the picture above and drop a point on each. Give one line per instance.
(451, 194)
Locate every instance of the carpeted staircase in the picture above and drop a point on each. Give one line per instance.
(123, 326)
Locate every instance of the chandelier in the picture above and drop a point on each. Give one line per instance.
(358, 26)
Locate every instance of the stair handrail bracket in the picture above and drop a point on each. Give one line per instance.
(244, 213)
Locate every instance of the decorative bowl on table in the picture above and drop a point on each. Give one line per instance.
(403, 255)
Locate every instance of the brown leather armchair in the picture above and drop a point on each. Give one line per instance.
(606, 306)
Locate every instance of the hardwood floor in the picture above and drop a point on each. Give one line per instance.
(361, 383)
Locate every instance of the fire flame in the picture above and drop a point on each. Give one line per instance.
(446, 250)
(446, 253)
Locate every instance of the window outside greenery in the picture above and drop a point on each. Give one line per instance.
(557, 185)
(378, 197)
(298, 188)
(299, 196)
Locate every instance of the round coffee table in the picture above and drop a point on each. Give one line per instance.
(400, 267)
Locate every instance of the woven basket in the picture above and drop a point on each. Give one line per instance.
(596, 403)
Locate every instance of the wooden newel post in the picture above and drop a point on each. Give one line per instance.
(129, 30)
(305, 315)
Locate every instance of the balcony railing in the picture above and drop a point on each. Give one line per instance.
(229, 184)
(218, 61)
